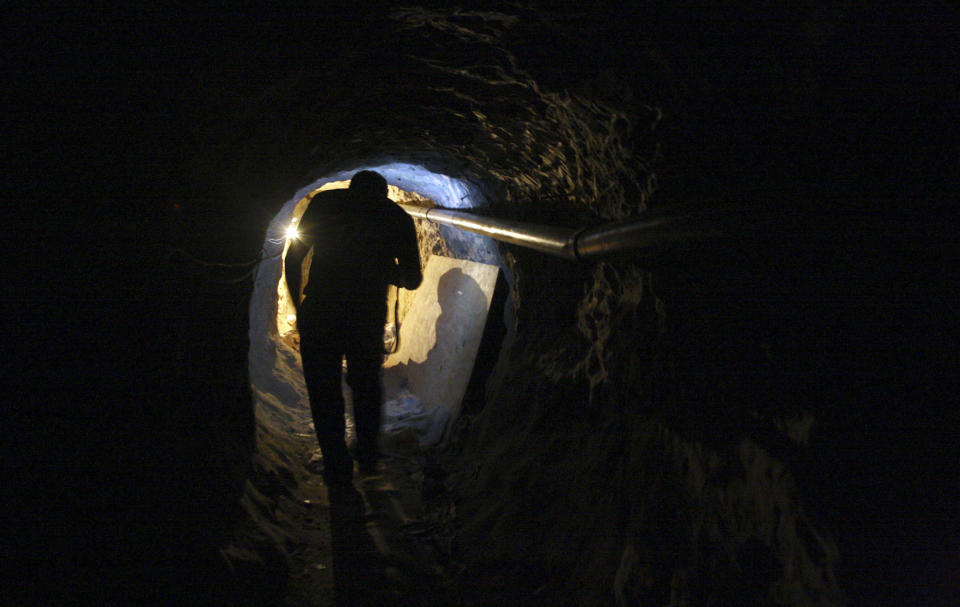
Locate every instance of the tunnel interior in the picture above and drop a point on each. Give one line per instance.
(279, 394)
(449, 333)
(766, 419)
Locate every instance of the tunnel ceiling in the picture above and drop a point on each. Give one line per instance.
(447, 92)
(545, 108)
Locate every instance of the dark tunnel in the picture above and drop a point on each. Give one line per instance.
(760, 412)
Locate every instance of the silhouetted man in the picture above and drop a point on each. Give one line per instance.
(362, 242)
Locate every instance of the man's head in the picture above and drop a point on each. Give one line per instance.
(369, 183)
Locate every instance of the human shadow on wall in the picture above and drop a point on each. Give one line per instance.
(461, 302)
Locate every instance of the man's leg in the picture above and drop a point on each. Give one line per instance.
(321, 371)
(364, 359)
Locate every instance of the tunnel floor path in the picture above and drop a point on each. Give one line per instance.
(367, 543)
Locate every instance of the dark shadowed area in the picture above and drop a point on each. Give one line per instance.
(766, 418)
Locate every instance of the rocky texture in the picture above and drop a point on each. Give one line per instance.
(763, 423)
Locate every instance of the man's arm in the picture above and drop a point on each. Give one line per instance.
(292, 268)
(301, 245)
(408, 255)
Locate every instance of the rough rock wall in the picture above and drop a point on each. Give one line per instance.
(589, 478)
(578, 484)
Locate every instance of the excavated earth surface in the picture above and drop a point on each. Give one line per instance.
(764, 419)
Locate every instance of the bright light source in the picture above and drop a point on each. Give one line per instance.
(291, 318)
(292, 231)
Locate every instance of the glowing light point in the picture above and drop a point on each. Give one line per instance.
(291, 318)
(292, 231)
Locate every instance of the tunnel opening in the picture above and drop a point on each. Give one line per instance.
(451, 333)
(453, 263)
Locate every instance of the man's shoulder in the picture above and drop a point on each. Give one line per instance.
(329, 196)
(326, 202)
(393, 209)
(342, 201)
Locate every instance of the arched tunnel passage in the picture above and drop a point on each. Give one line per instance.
(449, 336)
(657, 434)
(279, 393)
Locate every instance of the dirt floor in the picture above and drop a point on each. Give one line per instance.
(369, 543)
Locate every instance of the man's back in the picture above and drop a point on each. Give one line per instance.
(360, 244)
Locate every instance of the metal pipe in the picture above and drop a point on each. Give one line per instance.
(609, 239)
(546, 239)
(573, 244)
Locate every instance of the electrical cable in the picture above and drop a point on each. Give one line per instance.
(202, 262)
(253, 264)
